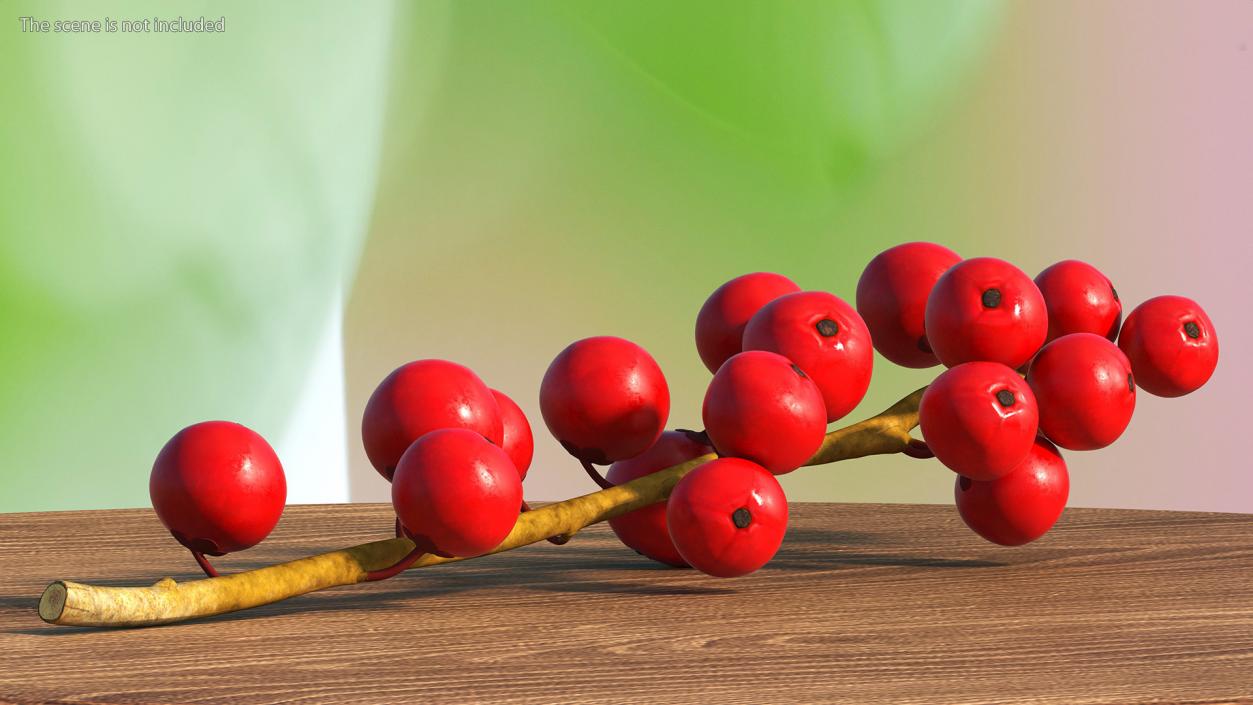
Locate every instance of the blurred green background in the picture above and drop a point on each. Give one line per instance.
(259, 225)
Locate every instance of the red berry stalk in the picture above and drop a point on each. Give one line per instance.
(786, 363)
(70, 603)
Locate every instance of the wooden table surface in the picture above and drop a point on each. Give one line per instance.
(864, 604)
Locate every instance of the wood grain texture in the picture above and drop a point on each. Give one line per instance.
(864, 604)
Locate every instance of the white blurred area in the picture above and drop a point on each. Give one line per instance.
(314, 447)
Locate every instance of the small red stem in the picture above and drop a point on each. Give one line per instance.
(918, 449)
(593, 473)
(398, 567)
(205, 565)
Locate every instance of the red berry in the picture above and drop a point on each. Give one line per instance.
(218, 487)
(1021, 506)
(761, 406)
(1085, 391)
(457, 492)
(518, 442)
(720, 323)
(892, 298)
(826, 337)
(423, 396)
(979, 418)
(604, 399)
(644, 530)
(985, 309)
(727, 517)
(1079, 299)
(1172, 345)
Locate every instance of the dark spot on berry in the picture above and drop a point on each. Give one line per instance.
(964, 483)
(1192, 329)
(1131, 385)
(742, 518)
(924, 345)
(992, 298)
(1114, 292)
(797, 369)
(827, 327)
(1005, 397)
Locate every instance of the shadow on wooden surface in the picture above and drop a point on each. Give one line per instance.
(863, 604)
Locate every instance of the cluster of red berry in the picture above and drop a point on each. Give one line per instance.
(785, 364)
(990, 324)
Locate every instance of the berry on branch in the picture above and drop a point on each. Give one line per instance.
(456, 492)
(985, 309)
(727, 517)
(762, 407)
(644, 530)
(1085, 390)
(720, 323)
(218, 487)
(826, 337)
(1171, 344)
(1021, 506)
(979, 419)
(892, 298)
(422, 396)
(604, 399)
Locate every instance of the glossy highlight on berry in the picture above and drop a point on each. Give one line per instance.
(825, 337)
(988, 310)
(604, 399)
(727, 517)
(1079, 299)
(979, 419)
(456, 492)
(1020, 506)
(423, 396)
(761, 407)
(218, 487)
(1172, 345)
(1085, 390)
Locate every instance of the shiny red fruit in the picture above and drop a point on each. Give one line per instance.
(1021, 506)
(422, 396)
(604, 399)
(720, 323)
(644, 530)
(1079, 299)
(1171, 344)
(218, 487)
(457, 492)
(892, 298)
(727, 517)
(518, 442)
(762, 407)
(1085, 390)
(980, 419)
(985, 309)
(826, 337)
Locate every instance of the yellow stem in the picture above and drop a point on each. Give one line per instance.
(77, 604)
